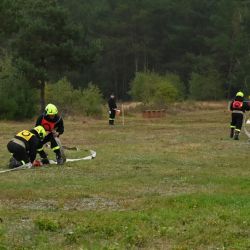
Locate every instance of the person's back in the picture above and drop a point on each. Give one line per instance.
(24, 146)
(238, 107)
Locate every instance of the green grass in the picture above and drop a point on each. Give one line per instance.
(173, 183)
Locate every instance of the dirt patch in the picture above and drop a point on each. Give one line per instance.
(96, 203)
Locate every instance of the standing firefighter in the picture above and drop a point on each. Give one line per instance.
(238, 108)
(24, 146)
(53, 124)
(112, 109)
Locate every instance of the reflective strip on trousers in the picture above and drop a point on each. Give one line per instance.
(19, 142)
(55, 148)
(238, 112)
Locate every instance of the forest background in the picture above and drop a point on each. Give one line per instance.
(76, 53)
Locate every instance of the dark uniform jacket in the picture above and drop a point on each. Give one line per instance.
(31, 141)
(112, 103)
(239, 105)
(51, 124)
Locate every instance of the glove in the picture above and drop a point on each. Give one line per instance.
(45, 161)
(37, 163)
(55, 134)
(29, 165)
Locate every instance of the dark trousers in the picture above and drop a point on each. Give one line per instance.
(112, 117)
(19, 152)
(50, 138)
(54, 146)
(237, 120)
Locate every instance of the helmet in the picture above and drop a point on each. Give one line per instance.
(241, 94)
(41, 131)
(51, 109)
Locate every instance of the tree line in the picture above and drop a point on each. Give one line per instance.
(111, 43)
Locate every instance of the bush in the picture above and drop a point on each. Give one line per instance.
(91, 101)
(73, 101)
(17, 99)
(153, 89)
(165, 93)
(143, 86)
(178, 84)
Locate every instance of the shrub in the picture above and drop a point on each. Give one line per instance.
(91, 101)
(165, 93)
(178, 84)
(151, 88)
(87, 102)
(143, 86)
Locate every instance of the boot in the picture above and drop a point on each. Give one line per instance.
(236, 135)
(111, 122)
(232, 133)
(13, 163)
(44, 157)
(59, 158)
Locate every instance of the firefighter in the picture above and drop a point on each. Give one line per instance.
(53, 124)
(112, 109)
(24, 146)
(238, 108)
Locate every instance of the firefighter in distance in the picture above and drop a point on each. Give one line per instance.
(238, 107)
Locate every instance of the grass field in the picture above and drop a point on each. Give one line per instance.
(174, 183)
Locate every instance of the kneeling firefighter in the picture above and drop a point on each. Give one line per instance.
(24, 146)
(238, 108)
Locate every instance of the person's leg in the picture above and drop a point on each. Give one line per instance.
(233, 125)
(40, 149)
(43, 155)
(237, 130)
(19, 155)
(112, 117)
(57, 150)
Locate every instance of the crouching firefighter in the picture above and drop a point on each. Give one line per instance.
(24, 146)
(53, 124)
(238, 108)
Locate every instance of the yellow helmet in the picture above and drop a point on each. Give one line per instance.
(241, 94)
(51, 109)
(41, 131)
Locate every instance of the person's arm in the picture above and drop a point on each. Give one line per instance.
(231, 106)
(246, 105)
(59, 129)
(33, 146)
(39, 120)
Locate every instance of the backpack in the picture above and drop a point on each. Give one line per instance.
(237, 104)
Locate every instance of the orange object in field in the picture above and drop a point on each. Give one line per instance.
(37, 163)
(117, 112)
